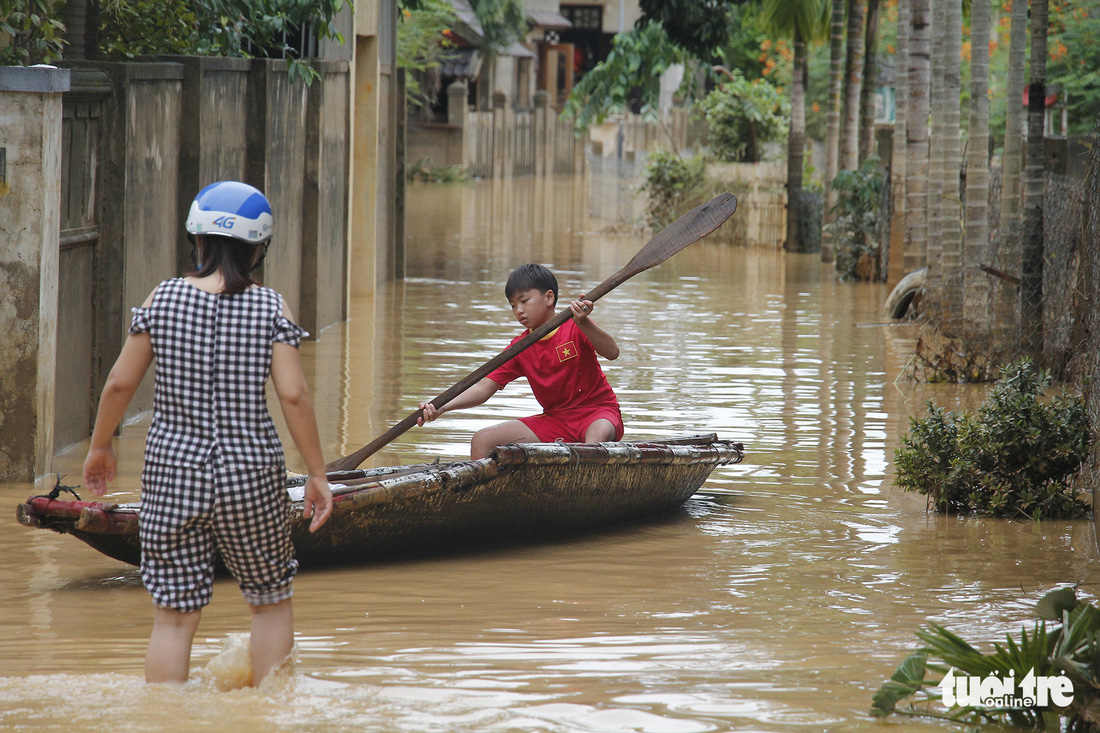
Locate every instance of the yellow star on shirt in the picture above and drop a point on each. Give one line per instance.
(566, 351)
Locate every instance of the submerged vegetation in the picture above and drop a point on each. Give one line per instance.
(423, 170)
(1015, 458)
(948, 678)
(859, 219)
(672, 185)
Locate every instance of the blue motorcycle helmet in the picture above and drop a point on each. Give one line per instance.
(231, 209)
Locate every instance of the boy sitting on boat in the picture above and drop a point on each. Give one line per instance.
(578, 404)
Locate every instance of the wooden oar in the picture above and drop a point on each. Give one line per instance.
(689, 228)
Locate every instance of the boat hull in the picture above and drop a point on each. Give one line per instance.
(520, 491)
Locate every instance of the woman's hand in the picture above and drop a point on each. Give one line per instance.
(99, 468)
(317, 502)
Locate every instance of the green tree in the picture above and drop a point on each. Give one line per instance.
(896, 256)
(867, 89)
(131, 28)
(700, 27)
(250, 28)
(1032, 249)
(803, 21)
(977, 286)
(421, 43)
(853, 85)
(833, 105)
(741, 116)
(34, 33)
(919, 70)
(1074, 65)
(1006, 311)
(503, 22)
(745, 41)
(949, 268)
(630, 72)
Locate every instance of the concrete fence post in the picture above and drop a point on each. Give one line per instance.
(457, 116)
(500, 141)
(30, 209)
(542, 133)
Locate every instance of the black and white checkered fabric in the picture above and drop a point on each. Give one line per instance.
(214, 476)
(187, 512)
(213, 356)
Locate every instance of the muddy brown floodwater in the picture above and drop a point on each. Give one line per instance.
(777, 599)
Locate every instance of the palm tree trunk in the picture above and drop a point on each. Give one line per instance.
(896, 256)
(796, 143)
(916, 129)
(832, 118)
(1031, 261)
(935, 152)
(853, 84)
(867, 94)
(950, 210)
(977, 285)
(1006, 316)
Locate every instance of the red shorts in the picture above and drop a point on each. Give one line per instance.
(571, 425)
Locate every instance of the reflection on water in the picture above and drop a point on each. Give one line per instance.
(777, 600)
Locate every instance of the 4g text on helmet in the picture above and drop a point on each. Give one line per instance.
(231, 209)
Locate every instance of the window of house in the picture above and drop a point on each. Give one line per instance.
(584, 17)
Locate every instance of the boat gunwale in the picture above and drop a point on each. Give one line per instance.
(396, 482)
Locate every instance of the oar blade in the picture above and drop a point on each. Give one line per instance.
(689, 228)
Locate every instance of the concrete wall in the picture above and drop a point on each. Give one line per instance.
(30, 219)
(214, 135)
(145, 198)
(376, 247)
(325, 203)
(504, 142)
(435, 144)
(82, 116)
(100, 217)
(277, 140)
(162, 130)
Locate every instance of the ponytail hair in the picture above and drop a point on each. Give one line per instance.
(234, 258)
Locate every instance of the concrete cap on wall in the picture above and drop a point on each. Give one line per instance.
(39, 78)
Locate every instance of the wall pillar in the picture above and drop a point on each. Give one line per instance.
(30, 209)
(501, 158)
(457, 114)
(542, 132)
(363, 242)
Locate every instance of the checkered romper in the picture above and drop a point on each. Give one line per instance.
(214, 474)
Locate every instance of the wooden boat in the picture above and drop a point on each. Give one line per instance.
(519, 491)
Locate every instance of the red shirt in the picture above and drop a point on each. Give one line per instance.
(562, 370)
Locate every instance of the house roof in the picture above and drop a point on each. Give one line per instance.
(468, 27)
(519, 51)
(548, 19)
(464, 63)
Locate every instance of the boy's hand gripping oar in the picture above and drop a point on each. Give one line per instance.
(689, 228)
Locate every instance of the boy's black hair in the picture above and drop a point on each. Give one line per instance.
(526, 277)
(235, 258)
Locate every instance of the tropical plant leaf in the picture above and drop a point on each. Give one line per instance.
(1051, 606)
(906, 681)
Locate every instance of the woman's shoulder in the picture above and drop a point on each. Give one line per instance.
(164, 286)
(265, 293)
(271, 297)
